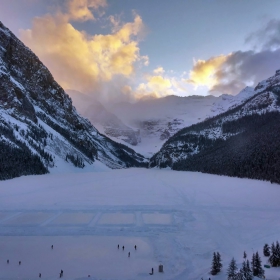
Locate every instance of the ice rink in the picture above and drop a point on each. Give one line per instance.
(177, 219)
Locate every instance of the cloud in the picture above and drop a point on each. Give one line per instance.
(159, 84)
(245, 69)
(266, 38)
(78, 60)
(203, 72)
(159, 70)
(231, 73)
(82, 10)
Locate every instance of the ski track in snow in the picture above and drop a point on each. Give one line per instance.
(176, 218)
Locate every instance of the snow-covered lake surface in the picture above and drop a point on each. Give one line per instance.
(177, 219)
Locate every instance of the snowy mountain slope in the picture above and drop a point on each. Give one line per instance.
(159, 119)
(38, 118)
(244, 141)
(106, 122)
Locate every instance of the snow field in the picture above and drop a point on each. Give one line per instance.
(77, 256)
(175, 218)
(73, 218)
(157, 218)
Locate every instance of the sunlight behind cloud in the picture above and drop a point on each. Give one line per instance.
(203, 72)
(80, 61)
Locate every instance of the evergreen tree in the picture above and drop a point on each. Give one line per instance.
(277, 253)
(257, 266)
(245, 272)
(274, 258)
(253, 262)
(219, 262)
(214, 268)
(232, 269)
(266, 250)
(244, 255)
(249, 273)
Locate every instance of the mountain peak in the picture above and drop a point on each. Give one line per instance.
(37, 117)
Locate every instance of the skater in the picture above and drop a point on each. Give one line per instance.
(135, 247)
(61, 272)
(40, 275)
(118, 246)
(152, 271)
(8, 261)
(52, 246)
(128, 254)
(19, 263)
(123, 247)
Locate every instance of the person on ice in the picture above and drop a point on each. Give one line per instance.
(152, 271)
(135, 247)
(40, 275)
(118, 246)
(128, 254)
(8, 261)
(123, 247)
(52, 246)
(19, 262)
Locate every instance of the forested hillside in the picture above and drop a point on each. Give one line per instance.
(242, 142)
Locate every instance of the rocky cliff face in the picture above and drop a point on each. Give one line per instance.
(32, 103)
(106, 122)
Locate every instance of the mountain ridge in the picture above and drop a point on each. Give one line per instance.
(221, 144)
(37, 112)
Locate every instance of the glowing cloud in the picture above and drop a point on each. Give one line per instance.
(76, 59)
(203, 73)
(231, 73)
(159, 85)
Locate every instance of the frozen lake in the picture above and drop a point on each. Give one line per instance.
(175, 218)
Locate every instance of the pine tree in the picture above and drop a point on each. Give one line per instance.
(214, 268)
(274, 258)
(245, 272)
(219, 262)
(277, 253)
(266, 250)
(232, 269)
(244, 255)
(253, 263)
(257, 266)
(249, 273)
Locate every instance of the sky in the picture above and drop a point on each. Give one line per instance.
(125, 50)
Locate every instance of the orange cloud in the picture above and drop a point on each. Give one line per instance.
(80, 61)
(204, 71)
(158, 85)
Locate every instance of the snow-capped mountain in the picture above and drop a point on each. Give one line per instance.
(39, 125)
(243, 141)
(147, 124)
(159, 119)
(106, 122)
